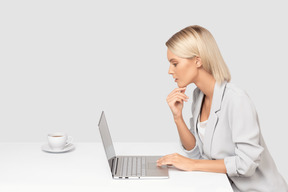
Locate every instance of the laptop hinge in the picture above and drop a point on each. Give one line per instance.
(114, 167)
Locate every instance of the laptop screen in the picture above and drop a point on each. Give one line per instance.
(106, 139)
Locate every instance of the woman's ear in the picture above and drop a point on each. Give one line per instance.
(198, 62)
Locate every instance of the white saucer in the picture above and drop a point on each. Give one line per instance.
(47, 148)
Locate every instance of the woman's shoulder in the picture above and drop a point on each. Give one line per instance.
(235, 90)
(230, 89)
(232, 93)
(236, 95)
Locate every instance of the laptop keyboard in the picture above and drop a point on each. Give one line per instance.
(133, 167)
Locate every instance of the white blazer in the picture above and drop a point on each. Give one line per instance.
(233, 134)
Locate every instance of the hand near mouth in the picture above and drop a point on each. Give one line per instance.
(175, 101)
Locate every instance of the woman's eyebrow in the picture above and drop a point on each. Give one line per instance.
(171, 60)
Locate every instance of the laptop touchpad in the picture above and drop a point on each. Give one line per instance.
(152, 165)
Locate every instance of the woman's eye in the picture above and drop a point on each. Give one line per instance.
(175, 64)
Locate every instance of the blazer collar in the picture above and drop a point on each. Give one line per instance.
(218, 94)
(216, 101)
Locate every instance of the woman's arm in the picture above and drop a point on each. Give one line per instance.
(175, 101)
(188, 164)
(187, 138)
(216, 166)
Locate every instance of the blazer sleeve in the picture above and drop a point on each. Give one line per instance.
(243, 121)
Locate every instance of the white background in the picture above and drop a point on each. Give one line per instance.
(63, 62)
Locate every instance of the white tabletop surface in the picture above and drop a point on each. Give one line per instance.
(25, 167)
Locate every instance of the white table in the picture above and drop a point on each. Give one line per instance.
(24, 167)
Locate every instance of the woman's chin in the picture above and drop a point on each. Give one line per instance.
(180, 85)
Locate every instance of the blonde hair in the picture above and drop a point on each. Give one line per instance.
(197, 41)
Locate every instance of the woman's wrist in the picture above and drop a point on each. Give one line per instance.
(178, 118)
(193, 165)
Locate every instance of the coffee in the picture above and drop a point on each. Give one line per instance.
(58, 141)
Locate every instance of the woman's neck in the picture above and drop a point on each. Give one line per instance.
(206, 82)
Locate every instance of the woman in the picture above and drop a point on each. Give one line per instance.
(225, 136)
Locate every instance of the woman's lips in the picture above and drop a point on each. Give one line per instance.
(176, 80)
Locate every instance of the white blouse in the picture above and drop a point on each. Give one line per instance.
(201, 126)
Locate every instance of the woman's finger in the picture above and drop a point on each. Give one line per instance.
(164, 161)
(181, 95)
(176, 98)
(173, 101)
(178, 94)
(167, 156)
(177, 90)
(167, 160)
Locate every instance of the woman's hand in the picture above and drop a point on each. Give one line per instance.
(177, 161)
(175, 101)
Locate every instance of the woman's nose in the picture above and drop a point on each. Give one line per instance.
(170, 70)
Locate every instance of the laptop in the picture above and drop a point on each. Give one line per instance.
(129, 167)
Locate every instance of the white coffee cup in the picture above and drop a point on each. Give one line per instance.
(58, 141)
